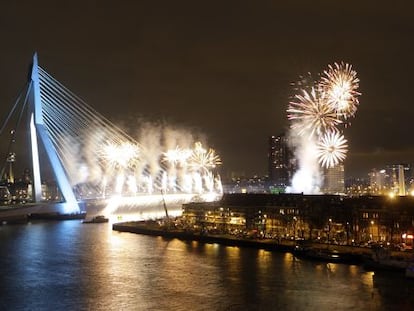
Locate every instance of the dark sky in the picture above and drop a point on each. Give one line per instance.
(221, 67)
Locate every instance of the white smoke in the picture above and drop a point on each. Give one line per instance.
(149, 174)
(308, 178)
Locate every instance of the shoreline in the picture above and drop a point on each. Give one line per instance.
(343, 254)
(141, 227)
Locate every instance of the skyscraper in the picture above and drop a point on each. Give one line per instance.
(397, 177)
(334, 181)
(281, 161)
(378, 181)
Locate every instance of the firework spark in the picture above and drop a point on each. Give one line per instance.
(177, 155)
(340, 84)
(311, 114)
(317, 112)
(203, 160)
(331, 149)
(122, 154)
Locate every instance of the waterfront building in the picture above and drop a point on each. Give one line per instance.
(20, 191)
(328, 218)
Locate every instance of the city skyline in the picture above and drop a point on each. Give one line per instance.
(223, 70)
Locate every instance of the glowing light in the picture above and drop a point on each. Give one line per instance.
(201, 159)
(154, 203)
(317, 112)
(177, 155)
(332, 149)
(310, 114)
(122, 154)
(131, 169)
(340, 83)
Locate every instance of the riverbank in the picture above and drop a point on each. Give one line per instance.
(346, 254)
(152, 228)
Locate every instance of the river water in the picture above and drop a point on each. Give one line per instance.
(68, 265)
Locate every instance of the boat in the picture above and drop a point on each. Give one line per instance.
(96, 220)
(325, 255)
(381, 260)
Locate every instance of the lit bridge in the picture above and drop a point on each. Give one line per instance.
(93, 159)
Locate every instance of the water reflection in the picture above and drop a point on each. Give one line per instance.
(72, 266)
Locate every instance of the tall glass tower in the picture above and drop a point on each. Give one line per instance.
(281, 163)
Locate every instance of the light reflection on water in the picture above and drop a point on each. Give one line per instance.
(133, 212)
(73, 266)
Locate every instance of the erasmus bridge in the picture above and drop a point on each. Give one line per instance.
(93, 159)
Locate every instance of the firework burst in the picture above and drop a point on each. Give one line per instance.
(311, 114)
(177, 156)
(331, 149)
(119, 155)
(317, 112)
(203, 160)
(340, 85)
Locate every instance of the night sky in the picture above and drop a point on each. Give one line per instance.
(221, 68)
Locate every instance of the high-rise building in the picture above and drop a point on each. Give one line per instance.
(395, 178)
(334, 179)
(378, 181)
(281, 161)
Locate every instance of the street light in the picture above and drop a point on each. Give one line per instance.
(329, 229)
(294, 227)
(372, 230)
(347, 233)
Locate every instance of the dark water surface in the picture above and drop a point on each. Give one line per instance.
(73, 266)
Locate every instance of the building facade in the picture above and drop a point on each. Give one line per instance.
(334, 180)
(281, 162)
(327, 218)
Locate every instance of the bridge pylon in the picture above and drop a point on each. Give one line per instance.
(39, 134)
